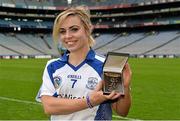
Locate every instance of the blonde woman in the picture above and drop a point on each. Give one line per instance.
(72, 84)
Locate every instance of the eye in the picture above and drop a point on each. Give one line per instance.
(74, 29)
(62, 31)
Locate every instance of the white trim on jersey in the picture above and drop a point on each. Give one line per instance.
(102, 59)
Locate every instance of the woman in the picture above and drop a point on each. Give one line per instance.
(72, 84)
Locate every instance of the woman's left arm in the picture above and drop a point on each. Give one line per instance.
(123, 103)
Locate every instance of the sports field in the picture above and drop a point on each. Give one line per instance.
(155, 89)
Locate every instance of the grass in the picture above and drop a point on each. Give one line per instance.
(155, 89)
(20, 79)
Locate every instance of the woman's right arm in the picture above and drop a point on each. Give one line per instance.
(62, 106)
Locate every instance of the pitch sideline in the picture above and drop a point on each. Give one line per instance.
(125, 118)
(19, 101)
(36, 103)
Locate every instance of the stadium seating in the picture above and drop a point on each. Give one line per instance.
(27, 44)
(164, 43)
(141, 43)
(158, 42)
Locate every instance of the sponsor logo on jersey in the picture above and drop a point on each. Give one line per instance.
(57, 81)
(74, 76)
(70, 96)
(91, 83)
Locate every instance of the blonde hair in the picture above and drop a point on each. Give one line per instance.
(83, 13)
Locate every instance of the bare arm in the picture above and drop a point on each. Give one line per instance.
(60, 106)
(123, 104)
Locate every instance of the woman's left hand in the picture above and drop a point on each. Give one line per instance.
(127, 74)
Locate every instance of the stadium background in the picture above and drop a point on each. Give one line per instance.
(147, 29)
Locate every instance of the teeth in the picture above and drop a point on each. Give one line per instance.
(70, 43)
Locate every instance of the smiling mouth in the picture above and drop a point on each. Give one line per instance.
(70, 42)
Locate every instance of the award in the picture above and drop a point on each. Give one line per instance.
(112, 72)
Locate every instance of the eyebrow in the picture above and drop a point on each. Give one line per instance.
(71, 27)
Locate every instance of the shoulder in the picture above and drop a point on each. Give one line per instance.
(100, 58)
(55, 63)
(93, 57)
(53, 60)
(98, 61)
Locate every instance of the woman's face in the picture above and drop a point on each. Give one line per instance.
(73, 35)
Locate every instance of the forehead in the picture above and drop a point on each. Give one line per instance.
(71, 20)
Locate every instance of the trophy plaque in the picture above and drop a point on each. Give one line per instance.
(112, 72)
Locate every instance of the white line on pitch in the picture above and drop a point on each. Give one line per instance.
(125, 118)
(19, 101)
(35, 103)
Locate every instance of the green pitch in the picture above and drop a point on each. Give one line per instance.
(155, 89)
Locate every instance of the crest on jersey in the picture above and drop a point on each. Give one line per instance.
(91, 83)
(57, 81)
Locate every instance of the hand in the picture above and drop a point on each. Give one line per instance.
(127, 74)
(97, 97)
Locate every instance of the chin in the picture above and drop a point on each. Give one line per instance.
(72, 49)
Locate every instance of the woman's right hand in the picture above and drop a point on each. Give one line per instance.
(97, 97)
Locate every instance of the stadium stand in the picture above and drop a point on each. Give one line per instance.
(158, 43)
(143, 28)
(149, 43)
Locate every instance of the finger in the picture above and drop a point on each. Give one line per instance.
(117, 95)
(110, 96)
(113, 95)
(127, 75)
(127, 68)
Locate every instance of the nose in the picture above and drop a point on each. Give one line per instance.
(67, 35)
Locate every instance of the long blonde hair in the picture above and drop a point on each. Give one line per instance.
(83, 13)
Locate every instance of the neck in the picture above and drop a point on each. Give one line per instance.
(76, 58)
